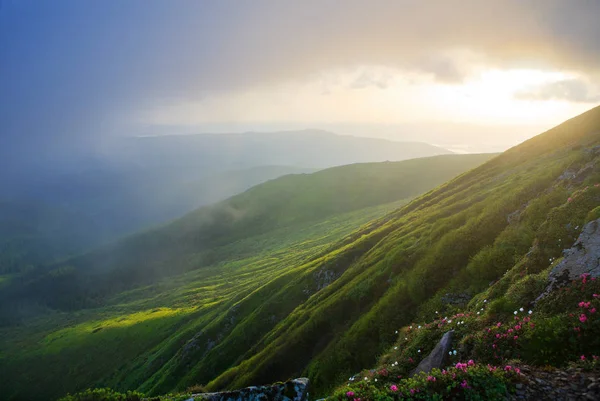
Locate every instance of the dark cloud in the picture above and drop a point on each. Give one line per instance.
(571, 90)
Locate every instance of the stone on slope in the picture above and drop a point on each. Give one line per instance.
(293, 390)
(437, 357)
(582, 258)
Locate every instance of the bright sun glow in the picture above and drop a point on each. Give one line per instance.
(492, 98)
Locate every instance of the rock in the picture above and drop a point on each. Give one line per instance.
(437, 357)
(456, 299)
(293, 390)
(583, 257)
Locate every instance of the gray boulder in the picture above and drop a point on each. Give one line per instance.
(438, 357)
(582, 258)
(293, 390)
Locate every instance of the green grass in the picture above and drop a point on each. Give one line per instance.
(150, 333)
(264, 314)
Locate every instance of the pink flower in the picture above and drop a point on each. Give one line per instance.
(464, 384)
(517, 327)
(582, 318)
(517, 370)
(498, 336)
(350, 394)
(581, 304)
(444, 372)
(578, 329)
(596, 295)
(595, 357)
(593, 310)
(515, 337)
(498, 324)
(394, 388)
(509, 331)
(461, 366)
(431, 379)
(508, 368)
(582, 357)
(494, 346)
(570, 200)
(412, 391)
(471, 363)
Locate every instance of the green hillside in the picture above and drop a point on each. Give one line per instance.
(455, 239)
(278, 297)
(61, 221)
(176, 305)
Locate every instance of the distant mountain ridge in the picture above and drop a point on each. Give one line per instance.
(307, 148)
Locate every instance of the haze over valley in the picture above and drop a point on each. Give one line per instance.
(301, 200)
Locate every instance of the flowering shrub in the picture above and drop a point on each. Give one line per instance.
(587, 362)
(464, 381)
(107, 394)
(103, 394)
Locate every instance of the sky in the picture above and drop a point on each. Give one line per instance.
(473, 75)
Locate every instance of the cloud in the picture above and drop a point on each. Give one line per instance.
(79, 69)
(370, 79)
(443, 69)
(571, 90)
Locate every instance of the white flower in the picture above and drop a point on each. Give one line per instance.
(478, 313)
(463, 322)
(481, 308)
(396, 331)
(366, 378)
(411, 327)
(419, 327)
(530, 312)
(449, 352)
(419, 351)
(454, 352)
(515, 312)
(395, 347)
(485, 300)
(521, 309)
(449, 321)
(375, 379)
(406, 338)
(436, 312)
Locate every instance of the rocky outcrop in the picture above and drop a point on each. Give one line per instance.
(582, 258)
(437, 357)
(456, 298)
(293, 390)
(557, 385)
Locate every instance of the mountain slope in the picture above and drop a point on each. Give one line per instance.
(73, 214)
(454, 239)
(133, 305)
(74, 202)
